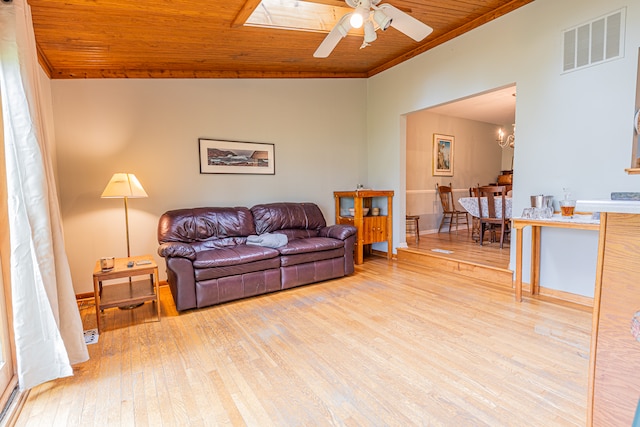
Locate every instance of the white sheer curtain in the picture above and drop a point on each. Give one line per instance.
(47, 326)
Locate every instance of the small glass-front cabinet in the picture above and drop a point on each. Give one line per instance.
(370, 211)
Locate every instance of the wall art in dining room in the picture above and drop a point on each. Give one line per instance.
(443, 154)
(235, 157)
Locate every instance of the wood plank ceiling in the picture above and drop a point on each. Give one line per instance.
(206, 39)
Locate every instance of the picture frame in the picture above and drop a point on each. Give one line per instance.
(236, 157)
(443, 150)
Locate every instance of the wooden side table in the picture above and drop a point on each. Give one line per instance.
(371, 229)
(130, 292)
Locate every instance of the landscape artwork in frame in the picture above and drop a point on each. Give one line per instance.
(443, 155)
(219, 156)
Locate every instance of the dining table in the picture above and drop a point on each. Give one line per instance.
(470, 204)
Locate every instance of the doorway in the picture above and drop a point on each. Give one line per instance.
(474, 124)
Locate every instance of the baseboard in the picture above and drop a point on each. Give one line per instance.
(444, 230)
(85, 295)
(554, 295)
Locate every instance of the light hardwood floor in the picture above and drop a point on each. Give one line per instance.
(393, 344)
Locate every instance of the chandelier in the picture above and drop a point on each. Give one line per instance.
(509, 141)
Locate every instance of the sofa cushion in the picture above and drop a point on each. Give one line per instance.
(311, 272)
(233, 255)
(201, 224)
(303, 258)
(281, 216)
(238, 286)
(312, 244)
(234, 270)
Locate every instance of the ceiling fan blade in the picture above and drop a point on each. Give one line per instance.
(335, 35)
(405, 23)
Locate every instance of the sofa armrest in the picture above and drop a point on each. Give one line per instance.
(177, 249)
(182, 282)
(338, 231)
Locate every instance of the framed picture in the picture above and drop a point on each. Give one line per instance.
(218, 156)
(443, 155)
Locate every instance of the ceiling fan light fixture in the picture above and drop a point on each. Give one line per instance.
(381, 19)
(358, 17)
(368, 12)
(369, 32)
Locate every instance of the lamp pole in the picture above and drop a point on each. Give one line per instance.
(126, 222)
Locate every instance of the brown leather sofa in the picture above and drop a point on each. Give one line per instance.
(214, 255)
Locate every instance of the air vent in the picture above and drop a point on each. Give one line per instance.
(594, 42)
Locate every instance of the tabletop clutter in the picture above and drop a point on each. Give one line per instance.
(542, 206)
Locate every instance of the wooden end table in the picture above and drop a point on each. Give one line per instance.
(130, 292)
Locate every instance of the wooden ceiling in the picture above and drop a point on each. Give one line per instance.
(206, 39)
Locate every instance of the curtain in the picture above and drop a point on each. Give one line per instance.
(46, 321)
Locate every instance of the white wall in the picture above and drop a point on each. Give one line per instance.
(573, 129)
(151, 128)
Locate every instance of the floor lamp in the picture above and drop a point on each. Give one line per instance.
(124, 186)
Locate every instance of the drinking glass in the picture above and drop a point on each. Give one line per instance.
(567, 207)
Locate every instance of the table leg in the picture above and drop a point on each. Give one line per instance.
(519, 264)
(97, 287)
(535, 259)
(359, 246)
(156, 285)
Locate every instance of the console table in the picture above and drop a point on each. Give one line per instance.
(371, 228)
(582, 222)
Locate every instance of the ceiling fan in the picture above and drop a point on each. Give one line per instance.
(373, 17)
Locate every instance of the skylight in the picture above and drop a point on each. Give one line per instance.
(297, 15)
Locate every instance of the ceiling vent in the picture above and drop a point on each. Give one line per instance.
(594, 42)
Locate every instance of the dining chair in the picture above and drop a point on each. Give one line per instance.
(450, 214)
(475, 222)
(492, 221)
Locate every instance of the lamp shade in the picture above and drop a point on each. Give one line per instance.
(123, 185)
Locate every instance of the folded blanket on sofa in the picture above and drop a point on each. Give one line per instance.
(269, 240)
